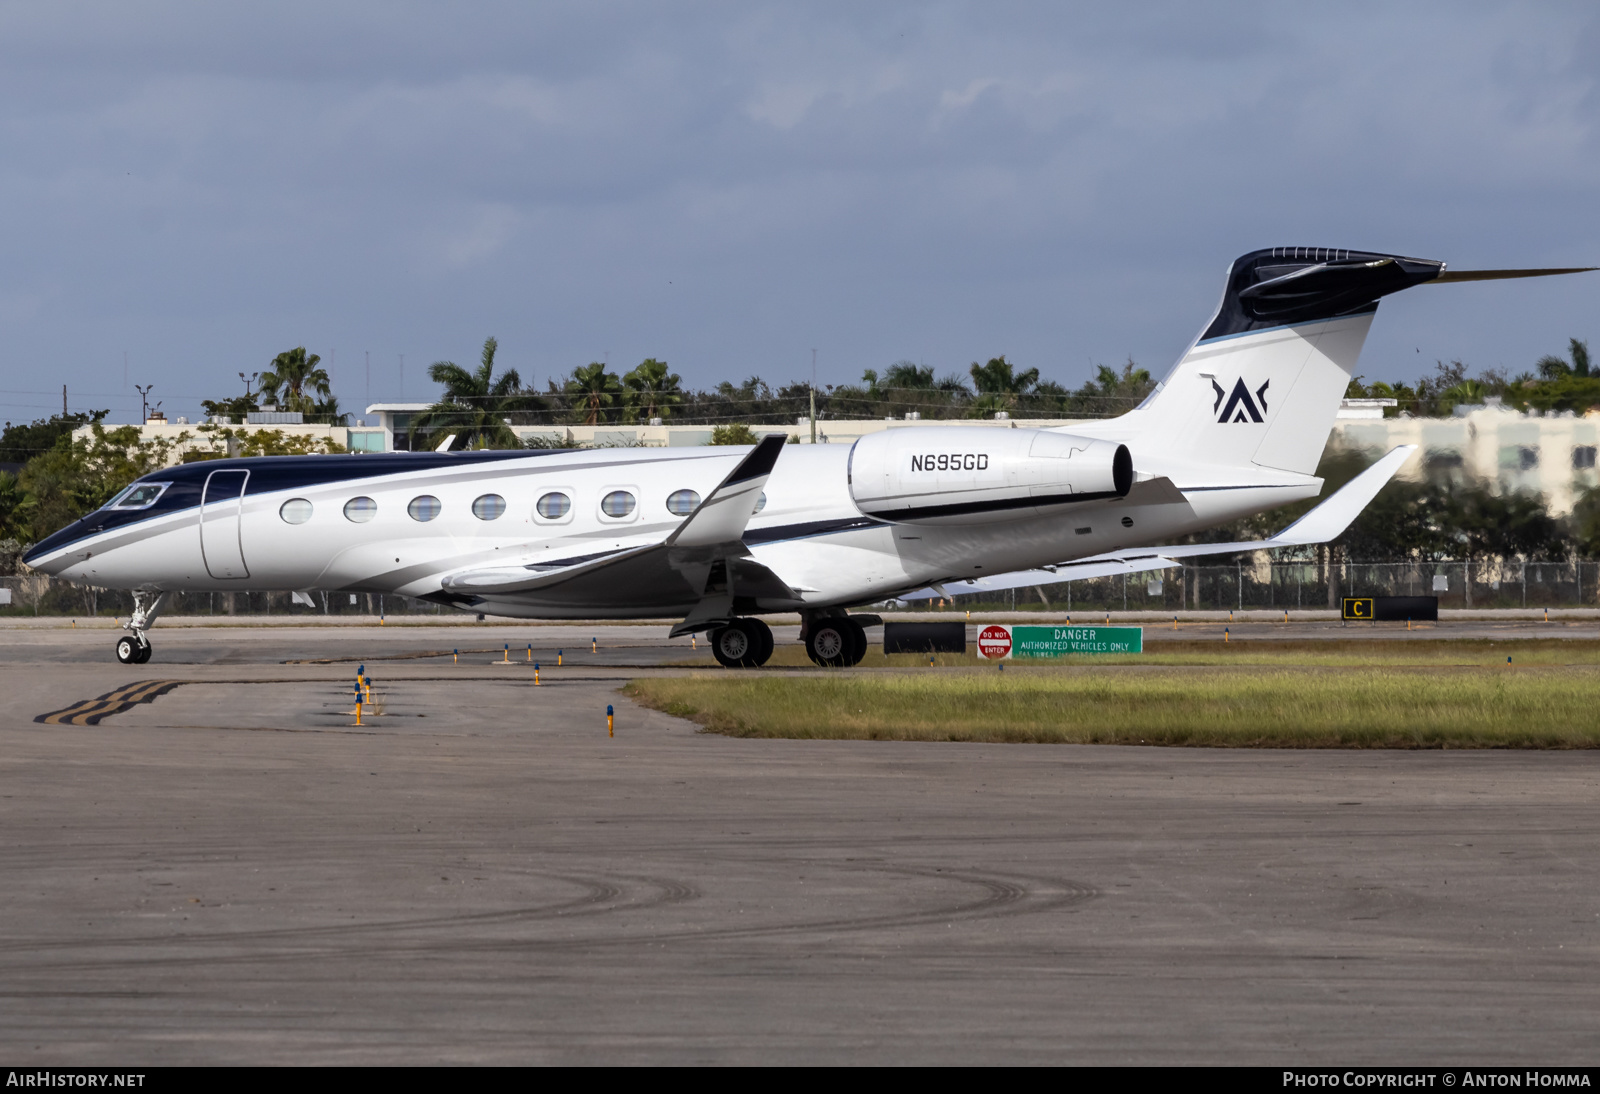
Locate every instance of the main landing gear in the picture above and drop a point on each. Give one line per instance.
(133, 648)
(742, 644)
(835, 641)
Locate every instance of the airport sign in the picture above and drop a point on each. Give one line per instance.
(997, 642)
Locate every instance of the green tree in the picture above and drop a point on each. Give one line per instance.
(651, 390)
(293, 378)
(999, 384)
(1552, 367)
(733, 434)
(78, 476)
(593, 391)
(21, 443)
(476, 405)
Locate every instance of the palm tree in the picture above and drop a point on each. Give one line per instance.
(651, 390)
(475, 404)
(327, 410)
(1552, 367)
(298, 374)
(594, 389)
(999, 384)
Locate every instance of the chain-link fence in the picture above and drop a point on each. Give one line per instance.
(1306, 585)
(39, 595)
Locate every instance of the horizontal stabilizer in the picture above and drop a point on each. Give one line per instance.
(1505, 275)
(1327, 521)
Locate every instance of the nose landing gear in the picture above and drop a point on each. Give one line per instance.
(133, 648)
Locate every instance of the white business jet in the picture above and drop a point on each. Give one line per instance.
(719, 535)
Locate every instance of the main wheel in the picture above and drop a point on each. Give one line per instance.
(129, 649)
(763, 639)
(145, 650)
(858, 635)
(831, 643)
(735, 646)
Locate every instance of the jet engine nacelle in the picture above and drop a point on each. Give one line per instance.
(970, 474)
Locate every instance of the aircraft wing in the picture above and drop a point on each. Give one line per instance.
(1327, 521)
(704, 558)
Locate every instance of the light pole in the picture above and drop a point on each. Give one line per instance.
(248, 381)
(144, 401)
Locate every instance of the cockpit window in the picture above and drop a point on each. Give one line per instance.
(141, 495)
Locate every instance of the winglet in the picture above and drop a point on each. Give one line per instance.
(722, 517)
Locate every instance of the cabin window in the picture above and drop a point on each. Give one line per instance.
(360, 510)
(141, 495)
(489, 507)
(295, 511)
(553, 506)
(618, 504)
(424, 507)
(680, 503)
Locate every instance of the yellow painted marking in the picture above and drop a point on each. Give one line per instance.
(89, 712)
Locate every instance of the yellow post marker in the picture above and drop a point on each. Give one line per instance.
(530, 652)
(1547, 615)
(930, 660)
(1230, 615)
(536, 674)
(558, 658)
(611, 725)
(507, 656)
(594, 645)
(694, 643)
(1286, 615)
(358, 704)
(969, 613)
(1108, 619)
(455, 656)
(1174, 622)
(1224, 634)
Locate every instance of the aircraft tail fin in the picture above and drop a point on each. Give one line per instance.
(1261, 384)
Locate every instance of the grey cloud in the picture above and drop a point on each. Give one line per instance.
(727, 186)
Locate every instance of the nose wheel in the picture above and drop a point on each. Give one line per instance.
(133, 649)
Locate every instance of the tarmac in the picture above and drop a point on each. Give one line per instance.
(233, 872)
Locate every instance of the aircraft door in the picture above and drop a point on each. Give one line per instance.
(221, 539)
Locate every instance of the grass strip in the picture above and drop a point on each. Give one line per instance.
(1356, 652)
(1293, 707)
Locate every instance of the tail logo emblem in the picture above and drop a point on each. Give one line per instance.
(1241, 407)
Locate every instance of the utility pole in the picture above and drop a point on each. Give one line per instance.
(813, 418)
(63, 400)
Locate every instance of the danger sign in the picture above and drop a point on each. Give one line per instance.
(994, 642)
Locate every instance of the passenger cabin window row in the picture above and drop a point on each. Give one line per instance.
(553, 506)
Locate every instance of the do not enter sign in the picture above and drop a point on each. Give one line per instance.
(994, 642)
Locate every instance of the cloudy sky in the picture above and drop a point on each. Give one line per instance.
(191, 188)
